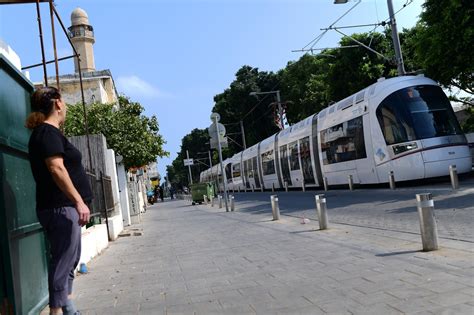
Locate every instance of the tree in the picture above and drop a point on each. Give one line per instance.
(128, 132)
(444, 42)
(303, 82)
(235, 104)
(197, 144)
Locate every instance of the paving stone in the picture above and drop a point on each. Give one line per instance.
(197, 260)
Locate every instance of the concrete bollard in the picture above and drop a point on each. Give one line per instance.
(391, 180)
(322, 213)
(351, 182)
(261, 188)
(286, 186)
(253, 189)
(232, 203)
(428, 227)
(325, 182)
(220, 201)
(205, 199)
(453, 173)
(303, 186)
(275, 207)
(273, 187)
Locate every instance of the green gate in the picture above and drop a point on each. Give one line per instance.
(23, 273)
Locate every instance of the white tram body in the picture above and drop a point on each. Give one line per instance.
(405, 125)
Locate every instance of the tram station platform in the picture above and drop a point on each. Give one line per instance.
(202, 260)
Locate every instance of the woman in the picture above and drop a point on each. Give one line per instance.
(62, 190)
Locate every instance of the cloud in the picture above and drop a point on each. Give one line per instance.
(136, 87)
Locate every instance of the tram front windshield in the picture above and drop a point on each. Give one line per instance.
(415, 113)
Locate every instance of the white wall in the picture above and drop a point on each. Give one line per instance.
(123, 191)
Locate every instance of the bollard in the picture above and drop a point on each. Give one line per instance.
(351, 183)
(286, 186)
(253, 189)
(325, 182)
(273, 187)
(391, 179)
(261, 188)
(275, 207)
(303, 186)
(220, 201)
(205, 199)
(429, 230)
(453, 173)
(212, 201)
(232, 203)
(238, 189)
(233, 190)
(322, 213)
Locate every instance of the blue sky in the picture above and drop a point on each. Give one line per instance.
(173, 56)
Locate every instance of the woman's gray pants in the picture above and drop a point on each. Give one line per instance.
(64, 235)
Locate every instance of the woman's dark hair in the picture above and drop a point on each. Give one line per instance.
(42, 103)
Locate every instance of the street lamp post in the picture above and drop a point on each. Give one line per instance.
(280, 110)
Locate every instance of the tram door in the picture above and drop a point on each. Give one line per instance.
(255, 172)
(246, 173)
(285, 168)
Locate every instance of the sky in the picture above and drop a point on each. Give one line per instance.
(174, 56)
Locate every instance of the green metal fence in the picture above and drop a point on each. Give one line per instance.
(23, 273)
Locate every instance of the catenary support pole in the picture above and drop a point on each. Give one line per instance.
(391, 179)
(396, 39)
(325, 182)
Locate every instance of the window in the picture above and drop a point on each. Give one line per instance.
(236, 170)
(343, 142)
(306, 165)
(268, 163)
(285, 169)
(228, 172)
(414, 113)
(294, 161)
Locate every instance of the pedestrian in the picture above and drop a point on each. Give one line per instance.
(162, 195)
(62, 191)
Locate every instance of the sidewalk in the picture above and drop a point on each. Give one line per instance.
(202, 260)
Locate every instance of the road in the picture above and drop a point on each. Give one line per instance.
(378, 208)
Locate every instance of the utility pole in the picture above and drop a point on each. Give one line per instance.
(396, 39)
(189, 169)
(224, 178)
(210, 163)
(243, 134)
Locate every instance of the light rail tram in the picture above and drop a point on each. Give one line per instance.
(402, 124)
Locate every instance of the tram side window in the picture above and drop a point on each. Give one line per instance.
(343, 142)
(268, 163)
(236, 170)
(294, 161)
(306, 164)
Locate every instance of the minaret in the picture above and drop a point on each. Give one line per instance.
(82, 37)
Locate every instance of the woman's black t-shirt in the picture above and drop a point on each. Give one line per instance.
(47, 141)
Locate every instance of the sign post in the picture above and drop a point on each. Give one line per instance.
(219, 136)
(189, 162)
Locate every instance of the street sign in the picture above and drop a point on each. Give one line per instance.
(188, 162)
(215, 145)
(213, 132)
(213, 117)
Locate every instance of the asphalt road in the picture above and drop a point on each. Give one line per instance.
(379, 208)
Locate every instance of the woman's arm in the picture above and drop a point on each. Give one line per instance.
(55, 165)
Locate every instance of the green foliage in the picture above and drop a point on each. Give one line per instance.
(197, 144)
(235, 104)
(468, 125)
(444, 42)
(128, 132)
